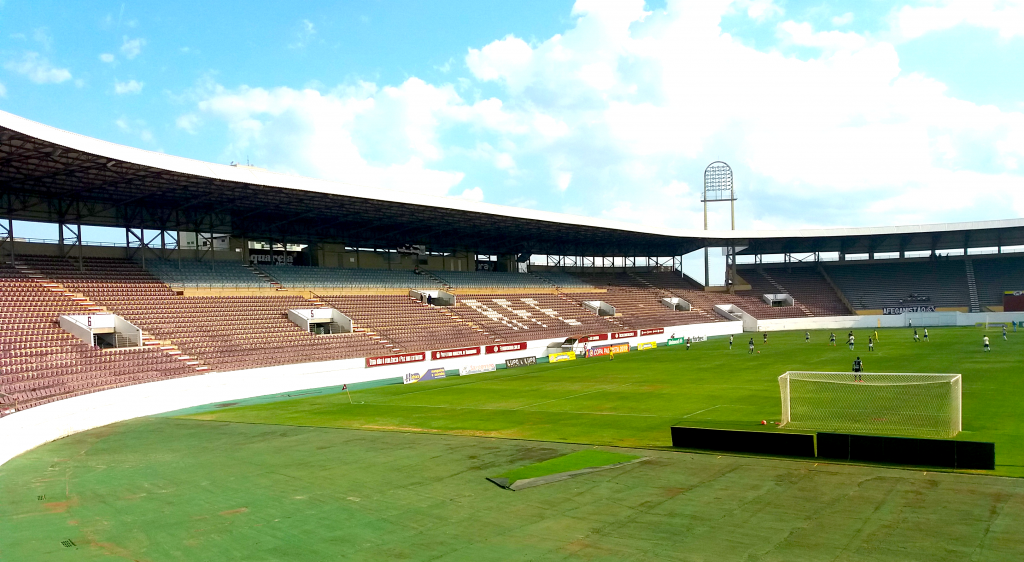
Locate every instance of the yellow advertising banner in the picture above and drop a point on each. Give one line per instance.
(563, 356)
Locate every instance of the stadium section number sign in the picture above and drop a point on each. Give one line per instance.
(563, 356)
(503, 347)
(450, 353)
(520, 362)
(608, 349)
(429, 375)
(395, 359)
(646, 345)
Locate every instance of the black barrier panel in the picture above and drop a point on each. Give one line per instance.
(834, 446)
(736, 441)
(907, 450)
(975, 455)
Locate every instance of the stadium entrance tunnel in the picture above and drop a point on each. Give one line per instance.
(321, 320)
(435, 298)
(599, 308)
(906, 451)
(778, 299)
(675, 303)
(105, 331)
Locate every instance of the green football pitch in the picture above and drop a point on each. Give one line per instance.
(400, 472)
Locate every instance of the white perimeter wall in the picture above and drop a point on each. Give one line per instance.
(28, 429)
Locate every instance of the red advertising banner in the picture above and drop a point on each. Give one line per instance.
(395, 359)
(652, 331)
(623, 335)
(592, 337)
(608, 349)
(503, 347)
(450, 353)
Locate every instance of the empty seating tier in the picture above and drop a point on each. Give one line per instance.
(872, 286)
(40, 362)
(637, 301)
(492, 280)
(227, 333)
(194, 274)
(996, 275)
(343, 278)
(407, 325)
(523, 316)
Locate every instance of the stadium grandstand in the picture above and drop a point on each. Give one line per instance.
(232, 268)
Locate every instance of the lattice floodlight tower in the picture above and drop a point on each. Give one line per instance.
(901, 404)
(718, 187)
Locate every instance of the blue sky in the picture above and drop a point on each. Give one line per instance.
(831, 113)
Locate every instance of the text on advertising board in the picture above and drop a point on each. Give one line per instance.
(608, 349)
(652, 331)
(503, 347)
(429, 375)
(563, 356)
(646, 345)
(888, 311)
(476, 369)
(451, 353)
(623, 335)
(395, 359)
(592, 337)
(520, 362)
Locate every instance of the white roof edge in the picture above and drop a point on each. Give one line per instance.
(267, 178)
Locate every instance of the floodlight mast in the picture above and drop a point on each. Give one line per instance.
(718, 187)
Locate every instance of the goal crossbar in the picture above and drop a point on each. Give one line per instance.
(906, 404)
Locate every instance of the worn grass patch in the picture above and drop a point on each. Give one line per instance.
(588, 458)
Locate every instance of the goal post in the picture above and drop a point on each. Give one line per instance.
(902, 404)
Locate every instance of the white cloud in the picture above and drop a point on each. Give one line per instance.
(760, 10)
(619, 114)
(107, 57)
(361, 134)
(129, 87)
(135, 127)
(38, 69)
(131, 48)
(306, 34)
(802, 132)
(1005, 16)
(472, 194)
(845, 19)
(42, 36)
(189, 122)
(804, 35)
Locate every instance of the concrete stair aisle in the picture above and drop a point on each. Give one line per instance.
(265, 277)
(89, 307)
(782, 289)
(972, 286)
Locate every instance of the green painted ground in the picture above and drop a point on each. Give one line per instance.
(292, 484)
(586, 458)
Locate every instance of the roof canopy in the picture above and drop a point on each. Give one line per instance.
(50, 175)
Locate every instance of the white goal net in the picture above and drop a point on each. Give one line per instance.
(905, 404)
